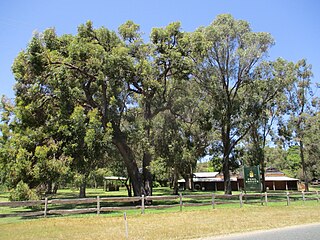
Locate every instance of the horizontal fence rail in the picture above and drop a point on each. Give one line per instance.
(95, 205)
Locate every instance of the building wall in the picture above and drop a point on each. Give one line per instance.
(281, 185)
(239, 185)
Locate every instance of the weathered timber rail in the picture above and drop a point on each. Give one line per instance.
(98, 205)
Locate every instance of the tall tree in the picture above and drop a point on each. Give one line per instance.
(58, 79)
(98, 74)
(275, 80)
(299, 104)
(312, 144)
(182, 133)
(160, 68)
(225, 55)
(6, 110)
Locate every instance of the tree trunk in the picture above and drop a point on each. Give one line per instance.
(132, 167)
(133, 171)
(49, 187)
(304, 167)
(263, 172)
(128, 186)
(226, 176)
(191, 178)
(226, 153)
(147, 176)
(55, 188)
(175, 181)
(83, 186)
(186, 177)
(263, 159)
(120, 141)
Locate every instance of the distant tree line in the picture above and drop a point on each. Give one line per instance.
(105, 102)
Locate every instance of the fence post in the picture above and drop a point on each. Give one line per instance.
(288, 199)
(303, 197)
(126, 225)
(213, 197)
(98, 205)
(266, 198)
(180, 196)
(317, 196)
(241, 201)
(45, 207)
(142, 204)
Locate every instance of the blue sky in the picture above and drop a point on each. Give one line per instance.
(294, 24)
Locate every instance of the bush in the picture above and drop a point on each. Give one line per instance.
(156, 184)
(22, 192)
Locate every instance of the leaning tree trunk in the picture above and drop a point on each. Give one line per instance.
(128, 186)
(132, 167)
(126, 152)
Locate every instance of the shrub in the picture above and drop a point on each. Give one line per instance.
(22, 192)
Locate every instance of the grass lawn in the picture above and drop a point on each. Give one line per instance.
(193, 223)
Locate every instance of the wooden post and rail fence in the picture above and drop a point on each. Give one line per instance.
(98, 205)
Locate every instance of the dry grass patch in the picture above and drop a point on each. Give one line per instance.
(179, 225)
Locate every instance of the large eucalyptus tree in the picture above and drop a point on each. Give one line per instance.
(79, 89)
(226, 55)
(300, 107)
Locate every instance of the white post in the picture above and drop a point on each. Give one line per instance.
(288, 199)
(266, 198)
(98, 205)
(213, 197)
(180, 196)
(45, 207)
(241, 201)
(126, 225)
(142, 204)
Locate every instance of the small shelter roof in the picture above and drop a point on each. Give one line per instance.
(208, 177)
(280, 178)
(115, 178)
(205, 174)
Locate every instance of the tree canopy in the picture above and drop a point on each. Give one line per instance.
(105, 99)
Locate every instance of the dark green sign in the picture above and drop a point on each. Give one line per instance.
(252, 180)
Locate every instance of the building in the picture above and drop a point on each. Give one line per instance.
(276, 180)
(209, 181)
(113, 183)
(213, 181)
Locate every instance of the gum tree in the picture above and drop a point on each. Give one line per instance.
(225, 55)
(83, 87)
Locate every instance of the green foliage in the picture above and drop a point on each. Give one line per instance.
(22, 192)
(226, 54)
(102, 99)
